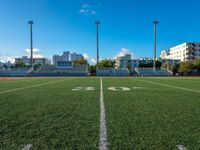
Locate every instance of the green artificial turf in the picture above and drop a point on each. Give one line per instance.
(50, 116)
(153, 117)
(53, 116)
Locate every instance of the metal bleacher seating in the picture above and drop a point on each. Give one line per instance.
(152, 72)
(15, 72)
(51, 70)
(113, 72)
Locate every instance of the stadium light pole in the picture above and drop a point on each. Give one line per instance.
(31, 41)
(97, 38)
(155, 22)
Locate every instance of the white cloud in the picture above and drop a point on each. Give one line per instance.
(11, 58)
(86, 6)
(108, 58)
(86, 56)
(93, 12)
(93, 60)
(123, 52)
(84, 11)
(7, 58)
(87, 9)
(36, 53)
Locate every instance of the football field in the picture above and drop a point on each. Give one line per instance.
(100, 113)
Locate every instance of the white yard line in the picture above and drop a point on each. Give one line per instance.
(103, 143)
(27, 147)
(181, 147)
(33, 86)
(175, 87)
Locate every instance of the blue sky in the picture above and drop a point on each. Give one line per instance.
(61, 25)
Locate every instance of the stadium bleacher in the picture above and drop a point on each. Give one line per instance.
(152, 72)
(113, 72)
(47, 70)
(50, 70)
(16, 72)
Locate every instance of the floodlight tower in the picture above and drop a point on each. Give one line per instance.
(31, 41)
(155, 22)
(97, 34)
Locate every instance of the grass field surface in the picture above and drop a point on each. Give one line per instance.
(50, 116)
(64, 113)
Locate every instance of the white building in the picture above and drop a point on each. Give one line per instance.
(165, 54)
(182, 52)
(126, 61)
(36, 61)
(66, 60)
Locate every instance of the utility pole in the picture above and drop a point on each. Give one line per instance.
(31, 41)
(155, 42)
(97, 38)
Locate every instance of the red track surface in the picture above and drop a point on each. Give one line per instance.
(9, 78)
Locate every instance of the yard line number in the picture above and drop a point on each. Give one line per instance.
(117, 89)
(84, 89)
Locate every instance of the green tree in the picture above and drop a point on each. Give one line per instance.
(158, 64)
(197, 65)
(20, 64)
(92, 69)
(107, 63)
(175, 68)
(172, 67)
(36, 66)
(129, 66)
(82, 61)
(148, 65)
(186, 67)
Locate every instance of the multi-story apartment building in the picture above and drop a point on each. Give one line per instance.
(27, 61)
(66, 60)
(126, 61)
(182, 52)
